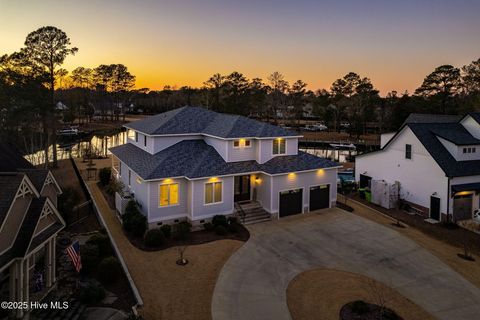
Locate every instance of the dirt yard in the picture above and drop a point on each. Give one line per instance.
(470, 270)
(325, 291)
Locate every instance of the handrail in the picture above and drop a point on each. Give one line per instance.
(242, 212)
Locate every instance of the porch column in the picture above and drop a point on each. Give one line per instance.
(12, 276)
(48, 263)
(20, 285)
(26, 282)
(54, 259)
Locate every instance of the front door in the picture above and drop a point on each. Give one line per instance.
(435, 208)
(242, 188)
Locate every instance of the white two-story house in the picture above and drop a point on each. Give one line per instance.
(192, 163)
(435, 159)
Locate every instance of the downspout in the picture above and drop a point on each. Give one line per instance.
(448, 199)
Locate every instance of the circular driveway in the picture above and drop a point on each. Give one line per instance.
(253, 282)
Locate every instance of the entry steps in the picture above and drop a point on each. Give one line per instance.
(249, 212)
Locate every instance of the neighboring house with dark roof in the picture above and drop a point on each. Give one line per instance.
(193, 163)
(435, 159)
(29, 224)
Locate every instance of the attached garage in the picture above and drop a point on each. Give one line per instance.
(319, 197)
(462, 207)
(290, 202)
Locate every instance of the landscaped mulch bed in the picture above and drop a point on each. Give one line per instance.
(195, 237)
(109, 197)
(448, 233)
(360, 310)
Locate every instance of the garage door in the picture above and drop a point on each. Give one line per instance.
(462, 207)
(319, 197)
(290, 202)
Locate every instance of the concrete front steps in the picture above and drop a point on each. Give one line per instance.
(249, 212)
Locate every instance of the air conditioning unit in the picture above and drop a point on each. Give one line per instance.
(121, 201)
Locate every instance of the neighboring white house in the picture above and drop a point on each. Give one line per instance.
(436, 160)
(192, 163)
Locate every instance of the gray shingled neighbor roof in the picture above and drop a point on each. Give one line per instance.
(190, 120)
(197, 159)
(9, 184)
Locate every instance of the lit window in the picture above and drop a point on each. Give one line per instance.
(241, 143)
(213, 192)
(168, 194)
(279, 146)
(139, 180)
(408, 151)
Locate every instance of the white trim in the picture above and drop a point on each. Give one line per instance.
(303, 200)
(329, 194)
(50, 178)
(161, 219)
(279, 154)
(178, 194)
(244, 146)
(213, 190)
(208, 135)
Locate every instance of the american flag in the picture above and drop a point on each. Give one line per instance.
(73, 252)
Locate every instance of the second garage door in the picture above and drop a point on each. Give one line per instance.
(290, 202)
(319, 197)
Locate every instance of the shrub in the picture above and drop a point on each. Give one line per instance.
(167, 230)
(181, 230)
(104, 175)
(208, 226)
(138, 225)
(67, 201)
(232, 220)
(114, 186)
(90, 257)
(102, 242)
(360, 307)
(220, 230)
(233, 227)
(92, 294)
(154, 238)
(109, 270)
(131, 208)
(219, 220)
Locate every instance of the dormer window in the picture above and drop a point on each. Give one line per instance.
(241, 143)
(279, 145)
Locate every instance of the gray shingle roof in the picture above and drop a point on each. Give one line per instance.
(452, 168)
(197, 159)
(431, 118)
(190, 120)
(455, 133)
(9, 184)
(37, 176)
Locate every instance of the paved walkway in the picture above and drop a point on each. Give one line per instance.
(253, 283)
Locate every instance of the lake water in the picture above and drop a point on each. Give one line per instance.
(101, 143)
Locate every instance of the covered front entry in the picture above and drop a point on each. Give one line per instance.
(462, 207)
(319, 197)
(241, 188)
(290, 202)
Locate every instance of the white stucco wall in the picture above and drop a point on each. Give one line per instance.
(241, 153)
(200, 210)
(385, 137)
(303, 180)
(419, 177)
(220, 145)
(263, 191)
(141, 142)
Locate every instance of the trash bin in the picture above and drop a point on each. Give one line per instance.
(368, 196)
(361, 193)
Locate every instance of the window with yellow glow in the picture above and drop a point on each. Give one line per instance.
(213, 192)
(279, 146)
(168, 194)
(242, 143)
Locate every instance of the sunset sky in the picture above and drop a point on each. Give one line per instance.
(184, 42)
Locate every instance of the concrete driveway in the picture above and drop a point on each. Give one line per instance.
(253, 282)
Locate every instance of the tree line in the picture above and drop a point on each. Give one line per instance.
(33, 83)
